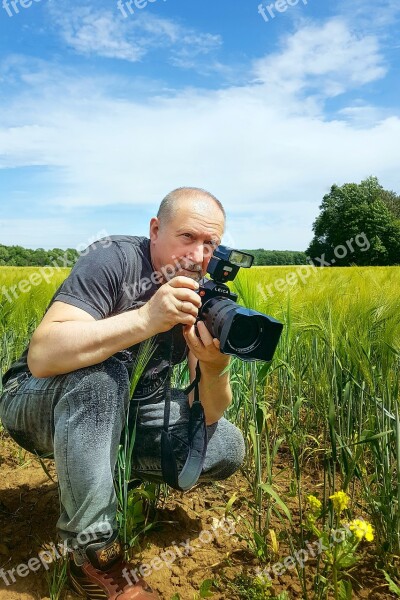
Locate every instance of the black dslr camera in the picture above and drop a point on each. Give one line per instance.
(245, 333)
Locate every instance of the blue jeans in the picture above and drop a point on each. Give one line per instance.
(79, 418)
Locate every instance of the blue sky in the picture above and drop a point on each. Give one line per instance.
(102, 112)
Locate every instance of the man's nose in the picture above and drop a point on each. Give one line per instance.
(197, 254)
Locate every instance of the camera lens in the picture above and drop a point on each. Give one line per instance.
(214, 313)
(244, 332)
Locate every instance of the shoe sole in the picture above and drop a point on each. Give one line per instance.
(90, 591)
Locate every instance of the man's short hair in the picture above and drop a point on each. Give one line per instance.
(168, 205)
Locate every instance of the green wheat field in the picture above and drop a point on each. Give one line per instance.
(329, 401)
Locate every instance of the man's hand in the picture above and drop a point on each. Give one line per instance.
(214, 388)
(174, 302)
(205, 348)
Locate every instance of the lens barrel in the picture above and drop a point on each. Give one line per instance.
(242, 333)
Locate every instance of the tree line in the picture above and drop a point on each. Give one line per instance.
(358, 224)
(277, 257)
(17, 256)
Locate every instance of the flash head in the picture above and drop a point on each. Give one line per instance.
(226, 262)
(235, 257)
(242, 332)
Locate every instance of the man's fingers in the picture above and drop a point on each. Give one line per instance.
(189, 330)
(187, 320)
(189, 295)
(186, 307)
(182, 281)
(205, 335)
(190, 333)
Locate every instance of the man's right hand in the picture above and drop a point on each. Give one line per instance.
(174, 302)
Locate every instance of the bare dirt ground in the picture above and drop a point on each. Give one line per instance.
(29, 512)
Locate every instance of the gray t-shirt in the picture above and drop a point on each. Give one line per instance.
(112, 276)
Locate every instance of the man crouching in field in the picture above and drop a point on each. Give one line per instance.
(68, 394)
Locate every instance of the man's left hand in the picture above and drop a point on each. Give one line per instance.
(205, 348)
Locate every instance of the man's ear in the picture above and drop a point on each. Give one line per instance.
(154, 228)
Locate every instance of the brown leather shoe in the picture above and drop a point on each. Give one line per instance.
(105, 575)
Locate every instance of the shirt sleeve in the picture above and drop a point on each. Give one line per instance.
(96, 280)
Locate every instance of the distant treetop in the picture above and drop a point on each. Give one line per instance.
(359, 224)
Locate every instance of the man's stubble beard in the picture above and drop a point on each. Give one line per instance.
(195, 275)
(194, 271)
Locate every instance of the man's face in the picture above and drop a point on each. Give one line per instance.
(184, 245)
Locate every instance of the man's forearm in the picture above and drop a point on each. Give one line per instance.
(72, 345)
(215, 393)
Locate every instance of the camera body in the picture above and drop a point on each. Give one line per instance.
(242, 332)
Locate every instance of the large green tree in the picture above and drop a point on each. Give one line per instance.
(358, 224)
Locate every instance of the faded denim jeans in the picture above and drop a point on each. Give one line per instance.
(79, 418)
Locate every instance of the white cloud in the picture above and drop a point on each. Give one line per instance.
(264, 153)
(91, 32)
(371, 15)
(361, 115)
(102, 32)
(324, 60)
(194, 46)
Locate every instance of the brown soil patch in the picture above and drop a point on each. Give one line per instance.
(29, 511)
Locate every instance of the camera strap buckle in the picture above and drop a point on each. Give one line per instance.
(197, 435)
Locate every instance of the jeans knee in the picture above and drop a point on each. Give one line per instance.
(111, 373)
(105, 383)
(94, 403)
(230, 449)
(236, 450)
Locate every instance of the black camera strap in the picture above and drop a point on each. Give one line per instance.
(197, 436)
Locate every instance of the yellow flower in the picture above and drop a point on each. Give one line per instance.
(361, 529)
(315, 504)
(340, 501)
(369, 534)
